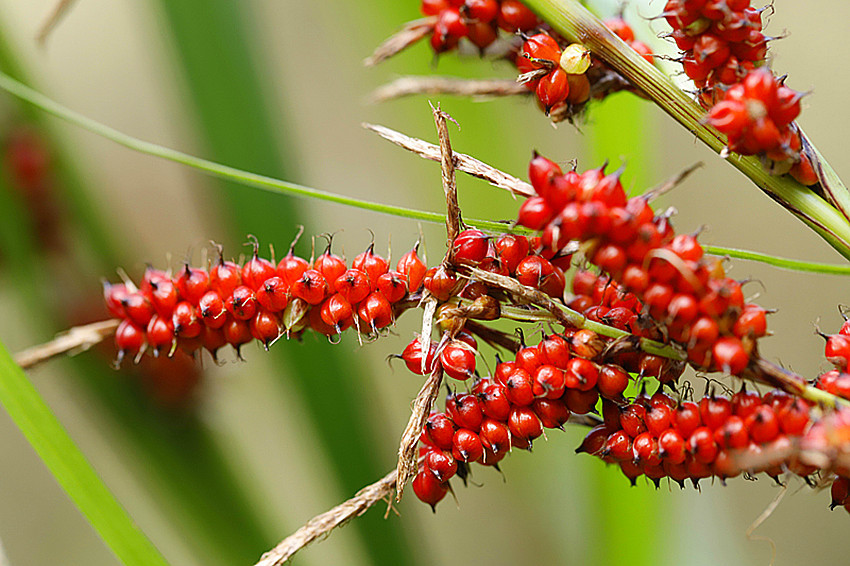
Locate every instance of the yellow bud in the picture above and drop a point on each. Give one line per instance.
(575, 59)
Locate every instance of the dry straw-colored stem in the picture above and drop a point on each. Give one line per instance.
(73, 340)
(59, 11)
(447, 166)
(462, 162)
(401, 40)
(323, 524)
(487, 88)
(422, 406)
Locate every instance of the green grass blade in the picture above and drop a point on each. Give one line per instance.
(225, 172)
(70, 468)
(784, 263)
(272, 184)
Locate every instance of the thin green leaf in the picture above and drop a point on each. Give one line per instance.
(70, 468)
(784, 263)
(285, 187)
(226, 172)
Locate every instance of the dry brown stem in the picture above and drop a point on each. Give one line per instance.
(323, 524)
(407, 86)
(422, 406)
(447, 166)
(73, 340)
(401, 40)
(59, 11)
(462, 162)
(526, 294)
(763, 371)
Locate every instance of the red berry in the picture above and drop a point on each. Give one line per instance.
(129, 340)
(291, 268)
(185, 321)
(311, 287)
(466, 446)
(458, 361)
(728, 354)
(225, 276)
(265, 327)
(392, 286)
(429, 489)
(439, 431)
(242, 304)
(412, 356)
(441, 283)
(371, 264)
(413, 268)
(212, 310)
(441, 464)
(273, 294)
(552, 413)
(470, 246)
(256, 270)
(375, 311)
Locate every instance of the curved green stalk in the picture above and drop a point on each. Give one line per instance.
(285, 187)
(784, 263)
(574, 21)
(243, 177)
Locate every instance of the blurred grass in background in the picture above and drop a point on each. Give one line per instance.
(277, 87)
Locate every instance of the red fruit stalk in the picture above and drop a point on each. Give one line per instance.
(227, 303)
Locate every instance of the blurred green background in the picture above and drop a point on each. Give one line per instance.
(277, 87)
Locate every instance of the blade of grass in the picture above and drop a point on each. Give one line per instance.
(229, 102)
(280, 186)
(70, 468)
(226, 172)
(182, 459)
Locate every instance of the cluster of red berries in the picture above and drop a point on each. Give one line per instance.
(477, 20)
(558, 73)
(232, 304)
(722, 41)
(556, 70)
(602, 300)
(539, 389)
(508, 255)
(837, 352)
(689, 294)
(658, 436)
(724, 54)
(757, 115)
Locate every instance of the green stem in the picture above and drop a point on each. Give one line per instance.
(285, 187)
(785, 263)
(574, 21)
(580, 321)
(247, 178)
